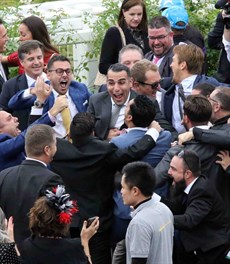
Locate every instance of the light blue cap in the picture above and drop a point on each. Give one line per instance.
(176, 14)
(168, 3)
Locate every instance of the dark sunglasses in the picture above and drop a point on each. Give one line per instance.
(153, 85)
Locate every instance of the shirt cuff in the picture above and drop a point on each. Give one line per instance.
(52, 118)
(152, 132)
(27, 93)
(36, 111)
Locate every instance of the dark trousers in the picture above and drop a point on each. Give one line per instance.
(99, 246)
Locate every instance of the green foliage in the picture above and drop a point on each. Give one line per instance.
(202, 16)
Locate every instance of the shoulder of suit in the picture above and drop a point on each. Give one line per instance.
(77, 85)
(100, 95)
(16, 79)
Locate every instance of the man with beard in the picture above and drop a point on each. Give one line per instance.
(199, 214)
(41, 99)
(161, 43)
(187, 67)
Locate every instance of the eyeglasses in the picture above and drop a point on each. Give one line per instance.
(213, 100)
(182, 155)
(61, 71)
(159, 38)
(153, 85)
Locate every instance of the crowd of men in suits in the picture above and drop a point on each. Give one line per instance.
(136, 116)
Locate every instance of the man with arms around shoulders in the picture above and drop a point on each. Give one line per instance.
(59, 74)
(87, 167)
(149, 237)
(31, 53)
(21, 185)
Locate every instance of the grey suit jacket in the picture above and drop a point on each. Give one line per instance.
(100, 106)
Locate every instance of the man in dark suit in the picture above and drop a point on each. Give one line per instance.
(103, 105)
(3, 41)
(12, 140)
(161, 43)
(31, 57)
(41, 98)
(87, 168)
(21, 185)
(199, 213)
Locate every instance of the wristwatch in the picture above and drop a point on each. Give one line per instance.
(38, 104)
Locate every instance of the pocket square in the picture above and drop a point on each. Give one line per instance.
(85, 103)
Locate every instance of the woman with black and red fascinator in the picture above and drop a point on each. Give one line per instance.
(49, 221)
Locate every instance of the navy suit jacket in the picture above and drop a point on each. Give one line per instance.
(78, 93)
(9, 89)
(12, 148)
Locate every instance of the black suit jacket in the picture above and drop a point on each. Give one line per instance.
(87, 170)
(20, 186)
(9, 89)
(2, 81)
(204, 224)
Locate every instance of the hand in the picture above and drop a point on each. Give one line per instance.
(156, 125)
(113, 132)
(225, 159)
(60, 104)
(42, 90)
(88, 232)
(10, 228)
(185, 137)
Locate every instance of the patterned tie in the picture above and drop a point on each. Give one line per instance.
(182, 96)
(115, 115)
(66, 119)
(155, 60)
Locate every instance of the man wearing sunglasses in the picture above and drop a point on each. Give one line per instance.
(42, 96)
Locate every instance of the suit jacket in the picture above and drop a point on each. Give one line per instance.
(2, 81)
(170, 93)
(9, 89)
(20, 186)
(87, 169)
(164, 68)
(77, 91)
(100, 106)
(203, 225)
(12, 148)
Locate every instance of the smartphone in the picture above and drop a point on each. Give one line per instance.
(90, 220)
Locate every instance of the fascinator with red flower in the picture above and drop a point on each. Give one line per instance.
(60, 201)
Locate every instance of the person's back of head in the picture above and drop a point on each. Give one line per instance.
(192, 55)
(178, 18)
(141, 175)
(27, 46)
(198, 109)
(82, 126)
(142, 110)
(40, 141)
(51, 214)
(204, 89)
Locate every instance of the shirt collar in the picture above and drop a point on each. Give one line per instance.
(187, 83)
(188, 188)
(37, 161)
